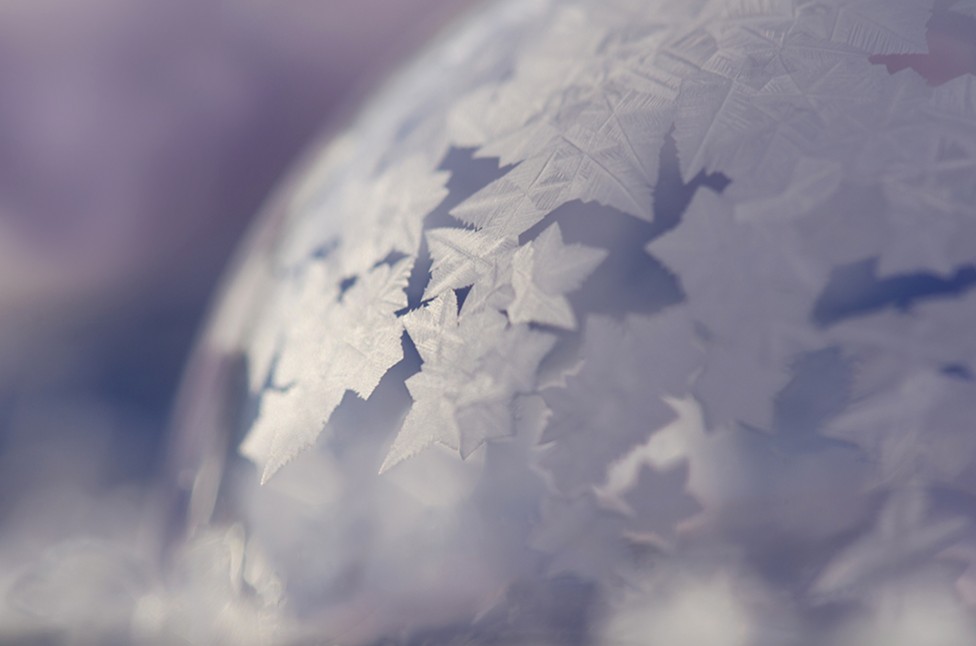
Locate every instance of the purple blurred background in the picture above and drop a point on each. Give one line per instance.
(136, 142)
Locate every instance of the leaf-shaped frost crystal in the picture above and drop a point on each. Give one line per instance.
(470, 375)
(462, 257)
(543, 271)
(333, 347)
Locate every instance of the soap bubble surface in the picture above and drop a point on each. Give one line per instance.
(607, 322)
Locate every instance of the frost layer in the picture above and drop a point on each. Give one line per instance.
(618, 322)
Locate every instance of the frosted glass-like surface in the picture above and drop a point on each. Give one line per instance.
(607, 322)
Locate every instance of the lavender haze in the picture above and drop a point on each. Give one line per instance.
(136, 142)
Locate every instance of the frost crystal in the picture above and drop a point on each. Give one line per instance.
(542, 272)
(361, 341)
(463, 257)
(474, 365)
(608, 311)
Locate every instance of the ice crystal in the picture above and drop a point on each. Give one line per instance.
(618, 310)
(474, 365)
(542, 272)
(361, 341)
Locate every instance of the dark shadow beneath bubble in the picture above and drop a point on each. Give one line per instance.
(957, 371)
(346, 284)
(856, 290)
(462, 295)
(672, 194)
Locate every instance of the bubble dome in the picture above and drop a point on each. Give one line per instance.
(612, 322)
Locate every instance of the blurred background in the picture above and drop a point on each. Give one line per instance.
(137, 140)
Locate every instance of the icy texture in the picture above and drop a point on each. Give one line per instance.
(611, 322)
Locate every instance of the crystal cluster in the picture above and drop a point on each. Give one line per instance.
(613, 322)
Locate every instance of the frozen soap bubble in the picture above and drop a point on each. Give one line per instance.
(606, 322)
